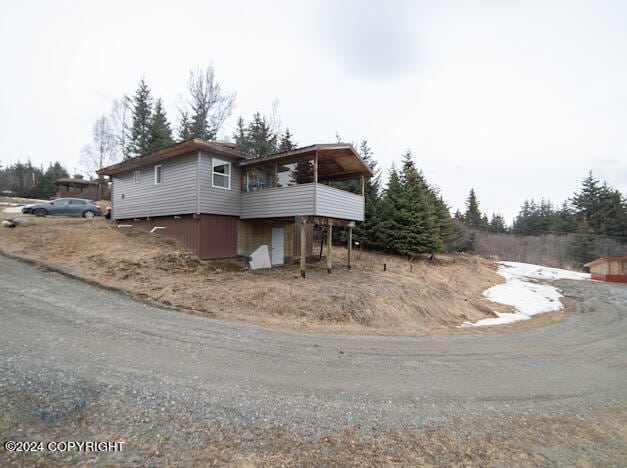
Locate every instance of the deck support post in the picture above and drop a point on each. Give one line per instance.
(303, 247)
(329, 248)
(349, 258)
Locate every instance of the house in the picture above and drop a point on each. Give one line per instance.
(609, 269)
(77, 187)
(220, 202)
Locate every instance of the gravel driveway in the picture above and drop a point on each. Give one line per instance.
(80, 363)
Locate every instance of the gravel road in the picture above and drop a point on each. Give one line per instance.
(82, 363)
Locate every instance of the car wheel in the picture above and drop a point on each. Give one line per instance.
(89, 214)
(40, 212)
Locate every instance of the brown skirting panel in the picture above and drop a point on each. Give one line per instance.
(207, 236)
(218, 236)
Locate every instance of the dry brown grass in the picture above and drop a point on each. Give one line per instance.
(522, 441)
(420, 298)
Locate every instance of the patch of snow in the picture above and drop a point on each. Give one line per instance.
(515, 269)
(21, 201)
(527, 297)
(13, 209)
(8, 204)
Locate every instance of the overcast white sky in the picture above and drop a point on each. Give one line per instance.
(517, 99)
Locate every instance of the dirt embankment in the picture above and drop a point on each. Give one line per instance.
(423, 298)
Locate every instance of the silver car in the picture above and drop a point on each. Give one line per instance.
(64, 207)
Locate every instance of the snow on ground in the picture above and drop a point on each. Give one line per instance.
(522, 291)
(13, 209)
(16, 204)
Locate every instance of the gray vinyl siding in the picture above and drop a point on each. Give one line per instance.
(174, 196)
(186, 187)
(280, 202)
(335, 203)
(215, 200)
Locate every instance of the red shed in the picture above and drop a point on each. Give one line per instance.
(609, 269)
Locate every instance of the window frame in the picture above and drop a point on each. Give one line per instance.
(160, 170)
(221, 162)
(137, 176)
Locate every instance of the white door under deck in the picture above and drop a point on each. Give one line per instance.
(278, 237)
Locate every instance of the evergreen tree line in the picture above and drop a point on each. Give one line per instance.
(407, 217)
(27, 181)
(595, 217)
(596, 205)
(474, 219)
(601, 207)
(410, 216)
(262, 136)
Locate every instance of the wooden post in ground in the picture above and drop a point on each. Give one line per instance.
(349, 259)
(303, 247)
(329, 243)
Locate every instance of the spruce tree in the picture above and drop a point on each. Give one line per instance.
(616, 213)
(603, 209)
(416, 216)
(365, 231)
(408, 165)
(497, 224)
(185, 127)
(387, 227)
(409, 225)
(256, 138)
(564, 220)
(584, 246)
(472, 217)
(261, 139)
(142, 119)
(287, 142)
(159, 132)
(588, 203)
(485, 223)
(55, 171)
(449, 230)
(241, 139)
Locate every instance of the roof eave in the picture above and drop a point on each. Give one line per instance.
(172, 151)
(310, 149)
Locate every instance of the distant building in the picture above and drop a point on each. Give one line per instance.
(609, 269)
(78, 187)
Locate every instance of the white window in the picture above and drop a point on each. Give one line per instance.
(158, 174)
(221, 173)
(137, 176)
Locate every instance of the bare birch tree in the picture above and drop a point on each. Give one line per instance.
(102, 151)
(120, 120)
(209, 105)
